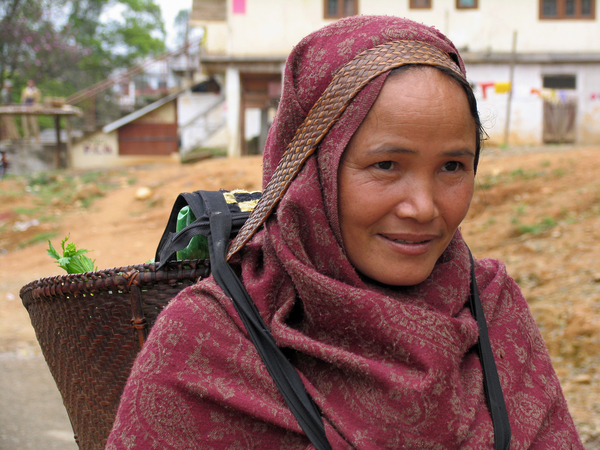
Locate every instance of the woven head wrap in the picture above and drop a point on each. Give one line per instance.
(323, 75)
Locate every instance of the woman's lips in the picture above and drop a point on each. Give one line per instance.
(403, 241)
(409, 244)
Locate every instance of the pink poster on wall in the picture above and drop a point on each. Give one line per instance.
(239, 6)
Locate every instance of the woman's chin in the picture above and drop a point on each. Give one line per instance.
(401, 276)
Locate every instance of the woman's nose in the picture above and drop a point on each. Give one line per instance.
(417, 201)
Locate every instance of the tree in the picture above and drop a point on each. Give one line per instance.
(66, 45)
(181, 25)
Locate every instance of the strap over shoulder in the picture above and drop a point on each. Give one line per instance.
(281, 370)
(491, 381)
(239, 204)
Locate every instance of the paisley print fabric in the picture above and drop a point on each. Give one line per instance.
(389, 367)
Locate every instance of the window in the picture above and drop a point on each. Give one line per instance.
(419, 4)
(567, 9)
(209, 11)
(559, 82)
(336, 9)
(466, 4)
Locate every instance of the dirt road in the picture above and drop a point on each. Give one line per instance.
(538, 210)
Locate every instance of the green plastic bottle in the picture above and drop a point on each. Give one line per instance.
(198, 246)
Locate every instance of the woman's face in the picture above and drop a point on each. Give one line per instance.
(406, 177)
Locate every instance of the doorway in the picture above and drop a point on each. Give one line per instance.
(560, 108)
(260, 92)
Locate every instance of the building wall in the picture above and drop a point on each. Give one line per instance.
(154, 133)
(167, 113)
(101, 149)
(588, 119)
(273, 27)
(195, 134)
(96, 150)
(526, 124)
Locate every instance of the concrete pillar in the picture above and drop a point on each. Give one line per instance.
(264, 129)
(233, 92)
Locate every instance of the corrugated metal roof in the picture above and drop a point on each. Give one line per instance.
(141, 112)
(530, 58)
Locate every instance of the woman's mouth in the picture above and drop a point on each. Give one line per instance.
(409, 244)
(403, 241)
(410, 238)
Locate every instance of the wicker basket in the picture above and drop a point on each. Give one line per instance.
(90, 328)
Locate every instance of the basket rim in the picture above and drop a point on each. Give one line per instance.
(119, 278)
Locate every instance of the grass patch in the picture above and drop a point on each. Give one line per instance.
(90, 177)
(41, 179)
(559, 172)
(519, 229)
(489, 181)
(520, 209)
(48, 186)
(549, 222)
(59, 188)
(26, 211)
(11, 193)
(46, 218)
(522, 174)
(86, 202)
(200, 153)
(40, 237)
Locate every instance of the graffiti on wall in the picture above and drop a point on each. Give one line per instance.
(98, 148)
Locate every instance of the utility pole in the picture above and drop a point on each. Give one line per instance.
(511, 80)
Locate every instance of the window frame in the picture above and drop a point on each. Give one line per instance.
(340, 4)
(411, 5)
(561, 8)
(459, 6)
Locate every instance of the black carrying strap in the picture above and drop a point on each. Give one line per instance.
(491, 382)
(172, 241)
(281, 370)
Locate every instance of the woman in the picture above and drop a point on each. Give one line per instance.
(359, 272)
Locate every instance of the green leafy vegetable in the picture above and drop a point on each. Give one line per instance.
(72, 260)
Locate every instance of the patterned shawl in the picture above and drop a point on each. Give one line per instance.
(389, 367)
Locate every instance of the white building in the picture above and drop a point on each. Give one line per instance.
(556, 76)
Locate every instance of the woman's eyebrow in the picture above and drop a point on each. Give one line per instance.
(390, 150)
(459, 153)
(395, 150)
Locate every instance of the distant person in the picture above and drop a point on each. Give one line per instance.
(30, 96)
(9, 127)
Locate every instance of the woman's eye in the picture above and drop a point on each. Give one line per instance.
(384, 165)
(452, 166)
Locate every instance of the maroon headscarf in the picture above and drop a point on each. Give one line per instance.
(389, 367)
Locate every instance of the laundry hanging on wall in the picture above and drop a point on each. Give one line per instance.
(499, 87)
(554, 96)
(502, 88)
